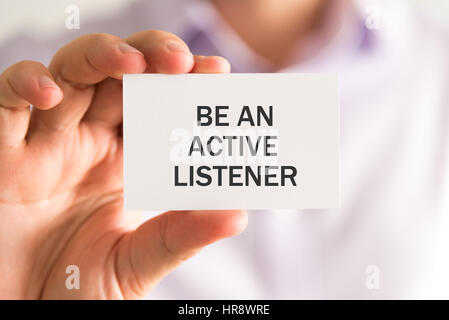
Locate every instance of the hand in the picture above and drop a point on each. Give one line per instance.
(61, 174)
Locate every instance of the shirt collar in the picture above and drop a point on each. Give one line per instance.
(344, 34)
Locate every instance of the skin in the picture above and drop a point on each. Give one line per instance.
(61, 201)
(272, 28)
(61, 195)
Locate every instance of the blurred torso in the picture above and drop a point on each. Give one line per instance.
(394, 83)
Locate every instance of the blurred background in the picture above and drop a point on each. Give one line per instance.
(48, 16)
(394, 100)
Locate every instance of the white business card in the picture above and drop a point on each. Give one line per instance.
(231, 141)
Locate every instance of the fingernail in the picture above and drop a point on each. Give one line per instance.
(126, 48)
(176, 46)
(47, 82)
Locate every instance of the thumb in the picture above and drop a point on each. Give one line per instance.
(146, 255)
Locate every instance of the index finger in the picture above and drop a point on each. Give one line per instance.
(76, 68)
(94, 57)
(164, 52)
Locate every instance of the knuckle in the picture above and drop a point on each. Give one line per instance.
(163, 235)
(155, 34)
(92, 40)
(27, 65)
(175, 254)
(102, 37)
(22, 69)
(160, 33)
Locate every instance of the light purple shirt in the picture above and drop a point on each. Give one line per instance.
(390, 239)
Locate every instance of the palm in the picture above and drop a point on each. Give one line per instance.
(75, 188)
